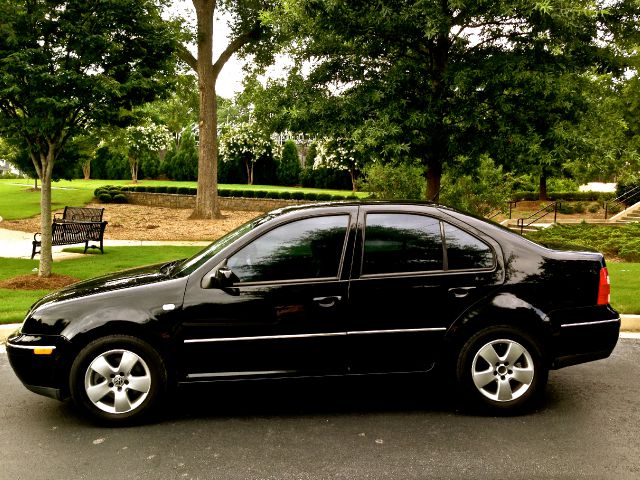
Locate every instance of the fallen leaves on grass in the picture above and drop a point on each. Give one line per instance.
(34, 282)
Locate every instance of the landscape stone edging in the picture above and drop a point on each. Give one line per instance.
(172, 200)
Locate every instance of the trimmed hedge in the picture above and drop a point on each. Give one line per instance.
(110, 194)
(566, 196)
(226, 192)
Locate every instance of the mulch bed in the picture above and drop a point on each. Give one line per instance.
(34, 282)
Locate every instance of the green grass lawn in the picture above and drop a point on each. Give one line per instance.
(625, 277)
(17, 201)
(625, 285)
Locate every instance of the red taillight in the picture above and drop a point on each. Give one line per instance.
(604, 287)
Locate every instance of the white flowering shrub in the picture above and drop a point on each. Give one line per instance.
(140, 140)
(244, 143)
(339, 154)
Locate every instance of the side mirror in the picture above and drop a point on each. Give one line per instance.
(224, 277)
(221, 277)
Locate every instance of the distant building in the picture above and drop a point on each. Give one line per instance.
(7, 168)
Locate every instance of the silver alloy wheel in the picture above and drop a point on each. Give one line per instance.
(502, 370)
(117, 381)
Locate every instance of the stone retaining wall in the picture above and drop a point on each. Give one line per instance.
(226, 203)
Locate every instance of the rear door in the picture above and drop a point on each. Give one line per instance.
(414, 274)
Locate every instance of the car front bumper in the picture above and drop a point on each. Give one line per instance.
(40, 363)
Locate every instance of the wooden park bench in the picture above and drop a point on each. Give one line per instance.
(76, 225)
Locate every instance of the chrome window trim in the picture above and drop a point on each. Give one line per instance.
(585, 324)
(311, 335)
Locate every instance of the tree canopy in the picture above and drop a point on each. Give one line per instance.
(71, 65)
(441, 80)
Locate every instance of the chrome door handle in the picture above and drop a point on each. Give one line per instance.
(327, 302)
(460, 292)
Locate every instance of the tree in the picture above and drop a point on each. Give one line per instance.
(420, 79)
(340, 154)
(136, 141)
(288, 170)
(247, 143)
(249, 36)
(68, 65)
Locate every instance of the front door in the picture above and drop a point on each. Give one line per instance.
(284, 313)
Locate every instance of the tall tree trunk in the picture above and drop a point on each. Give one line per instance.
(207, 193)
(543, 186)
(434, 177)
(86, 169)
(133, 163)
(46, 259)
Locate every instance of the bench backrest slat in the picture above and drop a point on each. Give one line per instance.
(82, 214)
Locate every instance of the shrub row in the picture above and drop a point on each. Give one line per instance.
(110, 194)
(566, 196)
(223, 192)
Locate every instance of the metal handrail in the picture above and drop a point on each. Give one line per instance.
(543, 212)
(512, 205)
(619, 200)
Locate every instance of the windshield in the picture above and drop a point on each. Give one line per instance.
(191, 264)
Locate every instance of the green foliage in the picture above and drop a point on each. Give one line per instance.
(245, 144)
(110, 165)
(394, 182)
(619, 241)
(629, 188)
(487, 190)
(326, 178)
(435, 82)
(182, 164)
(289, 169)
(110, 194)
(75, 64)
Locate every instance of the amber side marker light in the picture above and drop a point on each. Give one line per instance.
(604, 287)
(43, 350)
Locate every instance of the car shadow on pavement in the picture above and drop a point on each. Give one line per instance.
(313, 396)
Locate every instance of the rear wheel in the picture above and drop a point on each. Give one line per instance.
(501, 369)
(118, 379)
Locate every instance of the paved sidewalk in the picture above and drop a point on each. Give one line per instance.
(16, 244)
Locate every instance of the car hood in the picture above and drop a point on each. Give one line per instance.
(115, 281)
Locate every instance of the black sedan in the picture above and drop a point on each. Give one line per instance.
(327, 289)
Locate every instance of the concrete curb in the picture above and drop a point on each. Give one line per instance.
(630, 324)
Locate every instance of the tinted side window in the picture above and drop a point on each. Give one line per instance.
(398, 242)
(309, 248)
(465, 251)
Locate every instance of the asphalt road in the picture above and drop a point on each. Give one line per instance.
(588, 427)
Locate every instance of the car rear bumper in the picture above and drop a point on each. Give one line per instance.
(592, 338)
(40, 363)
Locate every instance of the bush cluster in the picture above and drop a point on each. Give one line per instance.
(110, 194)
(224, 192)
(616, 241)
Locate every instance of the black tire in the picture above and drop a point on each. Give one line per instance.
(501, 370)
(118, 379)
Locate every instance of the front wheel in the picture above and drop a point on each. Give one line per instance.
(117, 379)
(501, 369)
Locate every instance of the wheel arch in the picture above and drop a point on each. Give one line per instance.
(502, 309)
(159, 341)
